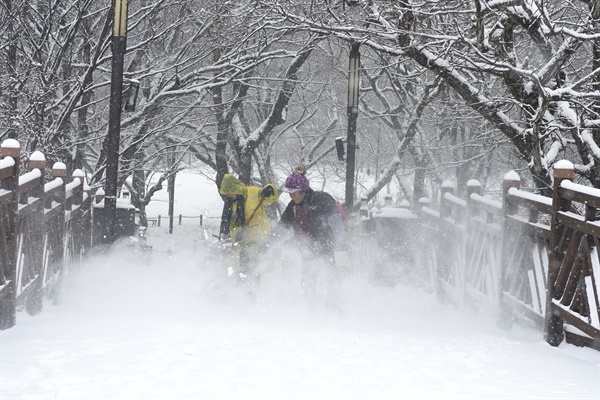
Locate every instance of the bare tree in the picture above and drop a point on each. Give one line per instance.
(526, 67)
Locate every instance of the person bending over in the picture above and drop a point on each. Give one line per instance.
(244, 218)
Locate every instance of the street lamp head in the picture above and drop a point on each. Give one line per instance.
(339, 146)
(354, 76)
(132, 94)
(120, 20)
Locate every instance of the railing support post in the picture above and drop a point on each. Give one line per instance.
(473, 186)
(57, 258)
(553, 326)
(511, 180)
(10, 148)
(444, 265)
(445, 208)
(35, 299)
(78, 226)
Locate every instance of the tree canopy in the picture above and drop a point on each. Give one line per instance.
(449, 89)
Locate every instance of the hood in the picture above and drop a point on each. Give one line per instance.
(231, 184)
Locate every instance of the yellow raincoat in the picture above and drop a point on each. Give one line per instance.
(259, 227)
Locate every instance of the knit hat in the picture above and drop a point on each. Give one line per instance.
(295, 183)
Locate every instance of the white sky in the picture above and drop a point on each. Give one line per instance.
(174, 327)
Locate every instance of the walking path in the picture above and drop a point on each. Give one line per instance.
(133, 328)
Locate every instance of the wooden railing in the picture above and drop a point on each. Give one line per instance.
(574, 268)
(44, 227)
(528, 255)
(525, 244)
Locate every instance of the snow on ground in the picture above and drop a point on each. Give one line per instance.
(171, 325)
(157, 327)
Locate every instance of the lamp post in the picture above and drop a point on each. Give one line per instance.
(119, 40)
(353, 87)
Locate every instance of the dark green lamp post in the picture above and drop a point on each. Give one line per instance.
(353, 88)
(119, 43)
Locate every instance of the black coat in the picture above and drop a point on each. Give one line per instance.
(319, 206)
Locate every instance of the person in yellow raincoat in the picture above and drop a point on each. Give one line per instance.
(244, 217)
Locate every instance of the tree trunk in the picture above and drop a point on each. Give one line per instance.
(138, 184)
(222, 131)
(11, 55)
(245, 167)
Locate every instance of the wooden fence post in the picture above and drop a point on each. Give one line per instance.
(445, 207)
(80, 176)
(78, 225)
(443, 249)
(88, 222)
(10, 148)
(35, 299)
(553, 325)
(473, 186)
(511, 180)
(99, 195)
(59, 170)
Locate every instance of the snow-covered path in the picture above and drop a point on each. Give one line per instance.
(131, 329)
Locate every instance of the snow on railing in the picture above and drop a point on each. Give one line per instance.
(30, 176)
(490, 202)
(576, 187)
(53, 184)
(7, 162)
(455, 199)
(533, 197)
(71, 186)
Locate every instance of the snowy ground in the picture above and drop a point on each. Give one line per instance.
(159, 327)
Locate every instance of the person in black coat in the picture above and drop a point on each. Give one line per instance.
(316, 221)
(318, 231)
